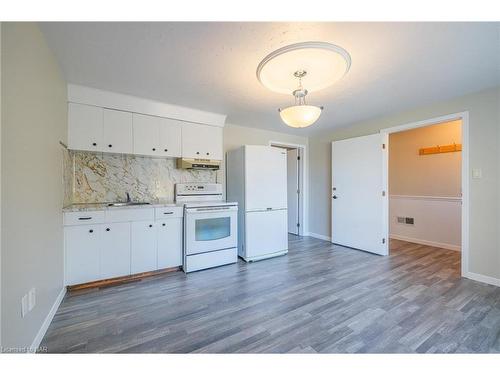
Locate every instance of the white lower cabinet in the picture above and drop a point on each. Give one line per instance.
(115, 250)
(169, 243)
(143, 237)
(131, 242)
(82, 244)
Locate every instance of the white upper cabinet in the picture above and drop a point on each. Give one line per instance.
(201, 141)
(117, 132)
(92, 128)
(156, 136)
(146, 135)
(85, 127)
(170, 137)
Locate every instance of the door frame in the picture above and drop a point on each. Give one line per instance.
(303, 184)
(464, 117)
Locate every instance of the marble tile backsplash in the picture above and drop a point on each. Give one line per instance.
(99, 177)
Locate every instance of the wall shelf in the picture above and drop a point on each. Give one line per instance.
(440, 149)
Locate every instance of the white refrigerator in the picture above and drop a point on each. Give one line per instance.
(256, 178)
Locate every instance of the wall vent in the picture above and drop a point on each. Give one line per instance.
(405, 220)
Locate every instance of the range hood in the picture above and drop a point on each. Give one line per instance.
(206, 164)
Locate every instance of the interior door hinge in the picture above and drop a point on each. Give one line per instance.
(383, 193)
(298, 191)
(298, 224)
(298, 157)
(383, 146)
(383, 240)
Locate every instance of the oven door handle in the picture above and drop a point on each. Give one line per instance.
(212, 209)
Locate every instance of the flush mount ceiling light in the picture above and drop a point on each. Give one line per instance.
(316, 65)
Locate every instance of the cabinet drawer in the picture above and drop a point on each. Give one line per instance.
(168, 212)
(83, 217)
(129, 214)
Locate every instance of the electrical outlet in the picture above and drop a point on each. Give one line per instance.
(24, 305)
(401, 219)
(410, 220)
(477, 173)
(31, 299)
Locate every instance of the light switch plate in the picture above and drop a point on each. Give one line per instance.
(477, 173)
(31, 299)
(24, 305)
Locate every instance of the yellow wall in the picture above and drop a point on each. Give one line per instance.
(436, 175)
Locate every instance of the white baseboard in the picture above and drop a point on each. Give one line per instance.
(319, 236)
(482, 278)
(425, 242)
(46, 323)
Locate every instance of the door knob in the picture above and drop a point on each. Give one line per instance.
(334, 197)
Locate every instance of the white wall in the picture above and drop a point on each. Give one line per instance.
(484, 124)
(33, 123)
(437, 220)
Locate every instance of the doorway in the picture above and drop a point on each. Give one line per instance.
(425, 185)
(360, 188)
(461, 198)
(296, 186)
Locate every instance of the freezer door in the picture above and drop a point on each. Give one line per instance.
(265, 178)
(266, 233)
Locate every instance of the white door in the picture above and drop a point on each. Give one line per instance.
(265, 233)
(143, 247)
(169, 243)
(115, 250)
(146, 135)
(357, 217)
(170, 137)
(118, 132)
(265, 178)
(82, 244)
(293, 191)
(85, 127)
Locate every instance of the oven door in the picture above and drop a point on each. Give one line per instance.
(210, 228)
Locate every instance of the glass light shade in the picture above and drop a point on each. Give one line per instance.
(300, 116)
(325, 63)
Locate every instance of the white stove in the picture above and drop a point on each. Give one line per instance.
(210, 226)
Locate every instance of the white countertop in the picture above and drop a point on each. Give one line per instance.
(79, 207)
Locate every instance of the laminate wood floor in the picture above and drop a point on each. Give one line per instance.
(319, 298)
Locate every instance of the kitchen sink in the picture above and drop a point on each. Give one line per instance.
(121, 204)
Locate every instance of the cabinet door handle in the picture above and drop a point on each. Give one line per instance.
(107, 229)
(166, 150)
(163, 224)
(151, 225)
(94, 144)
(168, 213)
(91, 231)
(197, 152)
(110, 146)
(85, 218)
(154, 149)
(208, 153)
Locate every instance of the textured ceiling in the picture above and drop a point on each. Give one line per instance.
(211, 66)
